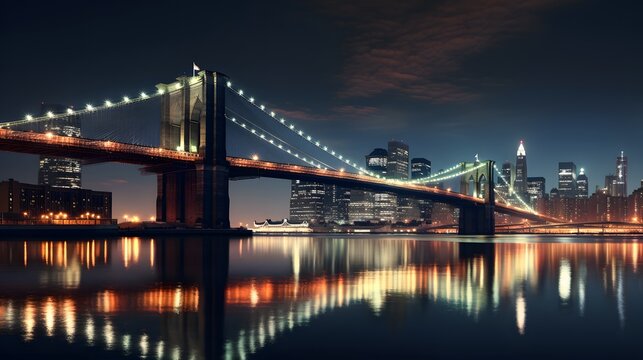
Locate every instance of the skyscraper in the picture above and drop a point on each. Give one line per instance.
(582, 185)
(397, 166)
(58, 171)
(377, 161)
(610, 184)
(520, 182)
(336, 204)
(307, 201)
(567, 179)
(507, 174)
(384, 204)
(420, 168)
(536, 188)
(620, 188)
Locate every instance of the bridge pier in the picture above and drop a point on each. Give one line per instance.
(193, 120)
(477, 220)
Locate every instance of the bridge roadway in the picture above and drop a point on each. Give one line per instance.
(159, 160)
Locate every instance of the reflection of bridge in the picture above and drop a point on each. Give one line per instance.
(193, 140)
(209, 305)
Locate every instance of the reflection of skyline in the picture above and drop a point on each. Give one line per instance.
(84, 289)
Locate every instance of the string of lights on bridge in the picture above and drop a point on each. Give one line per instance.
(89, 108)
(291, 126)
(271, 139)
(313, 140)
(509, 186)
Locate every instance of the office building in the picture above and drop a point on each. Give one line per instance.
(620, 186)
(582, 185)
(361, 207)
(420, 168)
(58, 171)
(384, 205)
(307, 201)
(397, 166)
(536, 188)
(336, 204)
(377, 160)
(27, 201)
(567, 179)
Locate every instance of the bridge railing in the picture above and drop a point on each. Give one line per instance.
(89, 144)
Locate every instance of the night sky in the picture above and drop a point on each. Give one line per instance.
(450, 78)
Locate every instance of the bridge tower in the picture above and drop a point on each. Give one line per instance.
(193, 120)
(478, 219)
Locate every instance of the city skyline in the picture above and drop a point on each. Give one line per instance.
(543, 93)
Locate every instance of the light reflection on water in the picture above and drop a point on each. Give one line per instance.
(208, 298)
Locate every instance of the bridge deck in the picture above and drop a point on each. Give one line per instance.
(157, 159)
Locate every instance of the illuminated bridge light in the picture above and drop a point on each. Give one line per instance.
(160, 91)
(50, 114)
(144, 95)
(108, 103)
(272, 113)
(282, 120)
(240, 92)
(126, 99)
(89, 107)
(252, 100)
(262, 107)
(229, 84)
(70, 111)
(292, 126)
(29, 117)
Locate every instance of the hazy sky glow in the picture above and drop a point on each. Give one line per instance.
(450, 78)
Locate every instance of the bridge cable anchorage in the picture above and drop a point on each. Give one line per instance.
(300, 132)
(529, 208)
(271, 140)
(89, 108)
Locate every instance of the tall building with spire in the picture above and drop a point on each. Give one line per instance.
(520, 182)
(620, 186)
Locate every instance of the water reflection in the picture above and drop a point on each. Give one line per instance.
(213, 298)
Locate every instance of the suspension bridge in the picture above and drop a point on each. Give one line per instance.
(193, 168)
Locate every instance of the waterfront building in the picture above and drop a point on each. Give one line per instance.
(283, 226)
(58, 171)
(336, 204)
(27, 201)
(307, 201)
(567, 179)
(361, 207)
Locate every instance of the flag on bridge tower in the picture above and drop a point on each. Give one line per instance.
(195, 68)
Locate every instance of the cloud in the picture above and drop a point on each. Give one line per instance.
(335, 113)
(416, 47)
